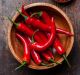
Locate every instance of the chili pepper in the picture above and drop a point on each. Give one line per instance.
(47, 57)
(59, 48)
(47, 54)
(35, 22)
(59, 30)
(50, 53)
(44, 16)
(41, 47)
(42, 36)
(36, 58)
(24, 11)
(47, 20)
(37, 46)
(26, 57)
(23, 28)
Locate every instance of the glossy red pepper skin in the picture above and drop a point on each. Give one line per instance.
(43, 37)
(23, 28)
(46, 56)
(37, 46)
(37, 24)
(59, 30)
(36, 57)
(47, 20)
(58, 46)
(50, 53)
(45, 17)
(41, 47)
(26, 56)
(38, 33)
(24, 11)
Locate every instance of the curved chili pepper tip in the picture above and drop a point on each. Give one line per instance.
(66, 61)
(21, 13)
(23, 64)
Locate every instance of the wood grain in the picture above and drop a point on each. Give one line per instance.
(8, 63)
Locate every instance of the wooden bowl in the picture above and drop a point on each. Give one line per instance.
(61, 20)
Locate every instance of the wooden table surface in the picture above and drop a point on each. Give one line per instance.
(7, 61)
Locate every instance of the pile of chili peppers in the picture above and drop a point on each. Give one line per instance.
(42, 35)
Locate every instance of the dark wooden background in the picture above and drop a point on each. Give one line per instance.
(7, 61)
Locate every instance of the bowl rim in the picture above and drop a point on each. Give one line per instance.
(47, 5)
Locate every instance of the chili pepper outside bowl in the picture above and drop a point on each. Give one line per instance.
(62, 21)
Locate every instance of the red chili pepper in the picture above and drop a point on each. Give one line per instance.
(47, 57)
(23, 28)
(38, 24)
(43, 37)
(24, 11)
(35, 22)
(50, 53)
(44, 16)
(26, 57)
(37, 46)
(36, 57)
(47, 20)
(34, 19)
(59, 30)
(41, 47)
(58, 46)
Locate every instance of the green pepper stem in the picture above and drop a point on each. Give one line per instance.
(66, 61)
(25, 17)
(16, 24)
(51, 60)
(33, 35)
(23, 64)
(37, 13)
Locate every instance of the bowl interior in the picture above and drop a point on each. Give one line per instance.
(61, 22)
